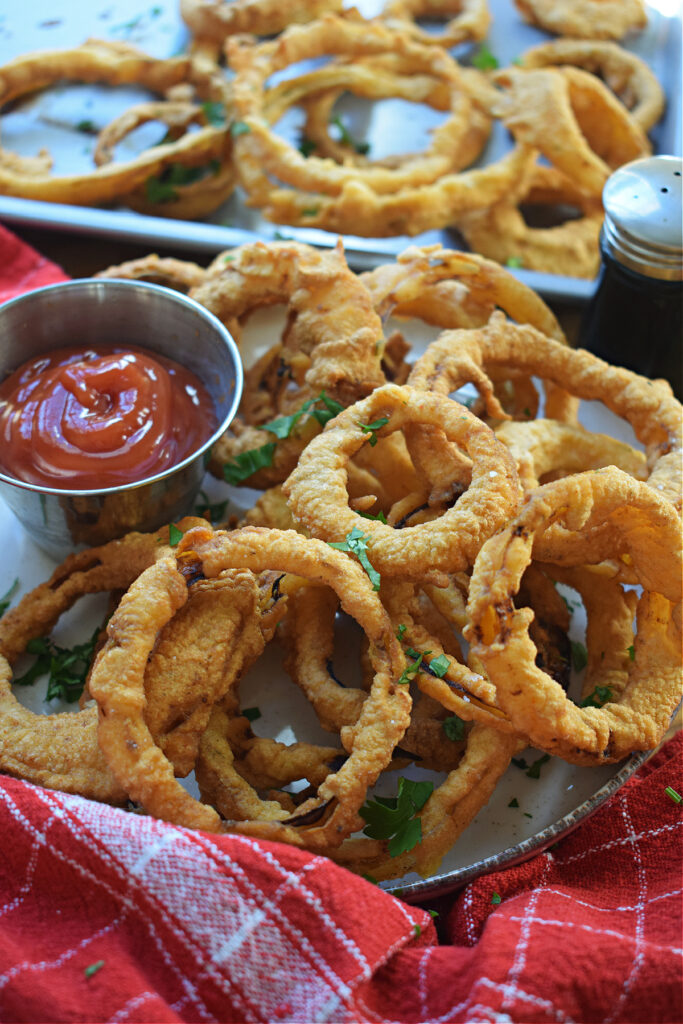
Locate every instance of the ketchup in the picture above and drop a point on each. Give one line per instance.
(84, 419)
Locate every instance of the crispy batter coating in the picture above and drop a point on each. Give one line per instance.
(115, 64)
(60, 750)
(319, 498)
(585, 19)
(457, 357)
(466, 20)
(647, 533)
(626, 74)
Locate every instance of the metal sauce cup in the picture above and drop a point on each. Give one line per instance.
(109, 311)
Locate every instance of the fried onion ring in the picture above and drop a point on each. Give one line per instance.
(574, 120)
(469, 20)
(626, 74)
(458, 357)
(585, 19)
(215, 20)
(318, 494)
(60, 751)
(357, 207)
(116, 681)
(498, 632)
(543, 446)
(115, 64)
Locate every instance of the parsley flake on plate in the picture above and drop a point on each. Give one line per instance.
(393, 818)
(356, 543)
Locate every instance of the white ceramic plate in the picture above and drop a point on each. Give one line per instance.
(501, 835)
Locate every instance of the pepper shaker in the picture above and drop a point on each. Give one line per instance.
(634, 317)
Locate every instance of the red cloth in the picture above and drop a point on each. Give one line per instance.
(22, 268)
(111, 916)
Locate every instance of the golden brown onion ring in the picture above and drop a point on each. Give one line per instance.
(498, 632)
(182, 275)
(357, 207)
(319, 498)
(60, 750)
(116, 680)
(626, 74)
(585, 19)
(458, 357)
(466, 20)
(574, 120)
(546, 446)
(115, 64)
(570, 247)
(215, 20)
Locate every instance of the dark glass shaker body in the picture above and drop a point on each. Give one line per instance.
(635, 318)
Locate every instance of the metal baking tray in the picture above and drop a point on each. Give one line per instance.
(51, 119)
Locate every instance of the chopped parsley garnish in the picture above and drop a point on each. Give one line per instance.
(93, 968)
(356, 543)
(175, 535)
(65, 667)
(162, 189)
(631, 652)
(370, 428)
(310, 211)
(251, 714)
(579, 656)
(417, 930)
(347, 139)
(87, 127)
(6, 598)
(321, 408)
(496, 899)
(246, 464)
(214, 112)
(433, 914)
(214, 510)
(514, 262)
(514, 802)
(673, 795)
(306, 146)
(239, 128)
(534, 769)
(454, 728)
(400, 631)
(600, 695)
(484, 60)
(440, 666)
(393, 818)
(377, 516)
(410, 671)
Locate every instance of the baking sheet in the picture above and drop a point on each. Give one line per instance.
(50, 119)
(547, 807)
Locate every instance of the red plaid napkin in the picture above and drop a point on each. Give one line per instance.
(110, 916)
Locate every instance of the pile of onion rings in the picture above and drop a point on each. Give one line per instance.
(583, 105)
(411, 551)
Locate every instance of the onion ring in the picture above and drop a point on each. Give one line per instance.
(574, 120)
(319, 499)
(469, 22)
(585, 19)
(116, 680)
(626, 74)
(115, 64)
(460, 356)
(498, 635)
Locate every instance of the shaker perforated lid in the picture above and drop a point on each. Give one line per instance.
(643, 227)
